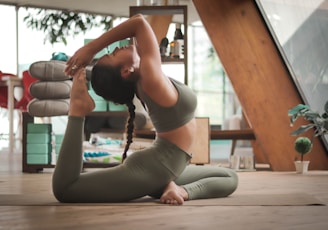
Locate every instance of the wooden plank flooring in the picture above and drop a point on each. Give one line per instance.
(13, 181)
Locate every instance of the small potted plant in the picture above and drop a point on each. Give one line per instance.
(319, 122)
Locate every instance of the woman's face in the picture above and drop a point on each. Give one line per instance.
(126, 55)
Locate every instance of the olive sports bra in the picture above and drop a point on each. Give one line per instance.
(168, 118)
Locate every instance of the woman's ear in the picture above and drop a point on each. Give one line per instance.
(126, 71)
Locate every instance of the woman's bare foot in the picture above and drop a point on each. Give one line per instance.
(81, 102)
(174, 194)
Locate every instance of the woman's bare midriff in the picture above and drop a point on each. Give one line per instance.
(183, 137)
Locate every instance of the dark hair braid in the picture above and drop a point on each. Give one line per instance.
(129, 128)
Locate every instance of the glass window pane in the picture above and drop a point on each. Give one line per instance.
(216, 98)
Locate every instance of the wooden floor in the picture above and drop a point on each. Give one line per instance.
(167, 217)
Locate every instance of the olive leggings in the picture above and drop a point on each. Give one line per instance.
(146, 172)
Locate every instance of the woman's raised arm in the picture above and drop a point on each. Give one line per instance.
(135, 27)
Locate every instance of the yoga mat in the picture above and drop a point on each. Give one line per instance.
(290, 199)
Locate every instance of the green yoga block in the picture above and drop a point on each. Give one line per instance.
(38, 138)
(39, 128)
(41, 149)
(38, 159)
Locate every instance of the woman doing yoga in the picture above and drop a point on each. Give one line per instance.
(160, 171)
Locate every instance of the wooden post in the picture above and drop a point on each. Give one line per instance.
(160, 25)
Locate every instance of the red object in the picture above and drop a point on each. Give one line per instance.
(4, 91)
(23, 102)
(27, 81)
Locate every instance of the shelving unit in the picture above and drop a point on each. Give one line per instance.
(169, 10)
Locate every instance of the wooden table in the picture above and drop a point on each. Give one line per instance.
(11, 82)
(240, 134)
(234, 135)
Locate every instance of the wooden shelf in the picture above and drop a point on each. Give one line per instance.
(242, 134)
(158, 10)
(164, 11)
(170, 60)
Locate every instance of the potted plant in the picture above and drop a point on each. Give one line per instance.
(319, 122)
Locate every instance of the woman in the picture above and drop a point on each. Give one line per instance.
(160, 170)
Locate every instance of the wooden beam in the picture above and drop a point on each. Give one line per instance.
(160, 25)
(259, 76)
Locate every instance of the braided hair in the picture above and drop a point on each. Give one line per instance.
(107, 82)
(129, 128)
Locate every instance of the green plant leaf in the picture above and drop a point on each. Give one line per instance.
(311, 116)
(301, 108)
(325, 125)
(302, 129)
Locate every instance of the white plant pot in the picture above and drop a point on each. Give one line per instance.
(301, 166)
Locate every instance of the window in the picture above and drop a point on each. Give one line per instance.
(216, 98)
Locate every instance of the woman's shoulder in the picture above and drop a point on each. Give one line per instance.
(161, 91)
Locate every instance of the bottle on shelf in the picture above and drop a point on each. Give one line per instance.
(177, 45)
(163, 47)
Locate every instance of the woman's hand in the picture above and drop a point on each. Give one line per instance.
(81, 58)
